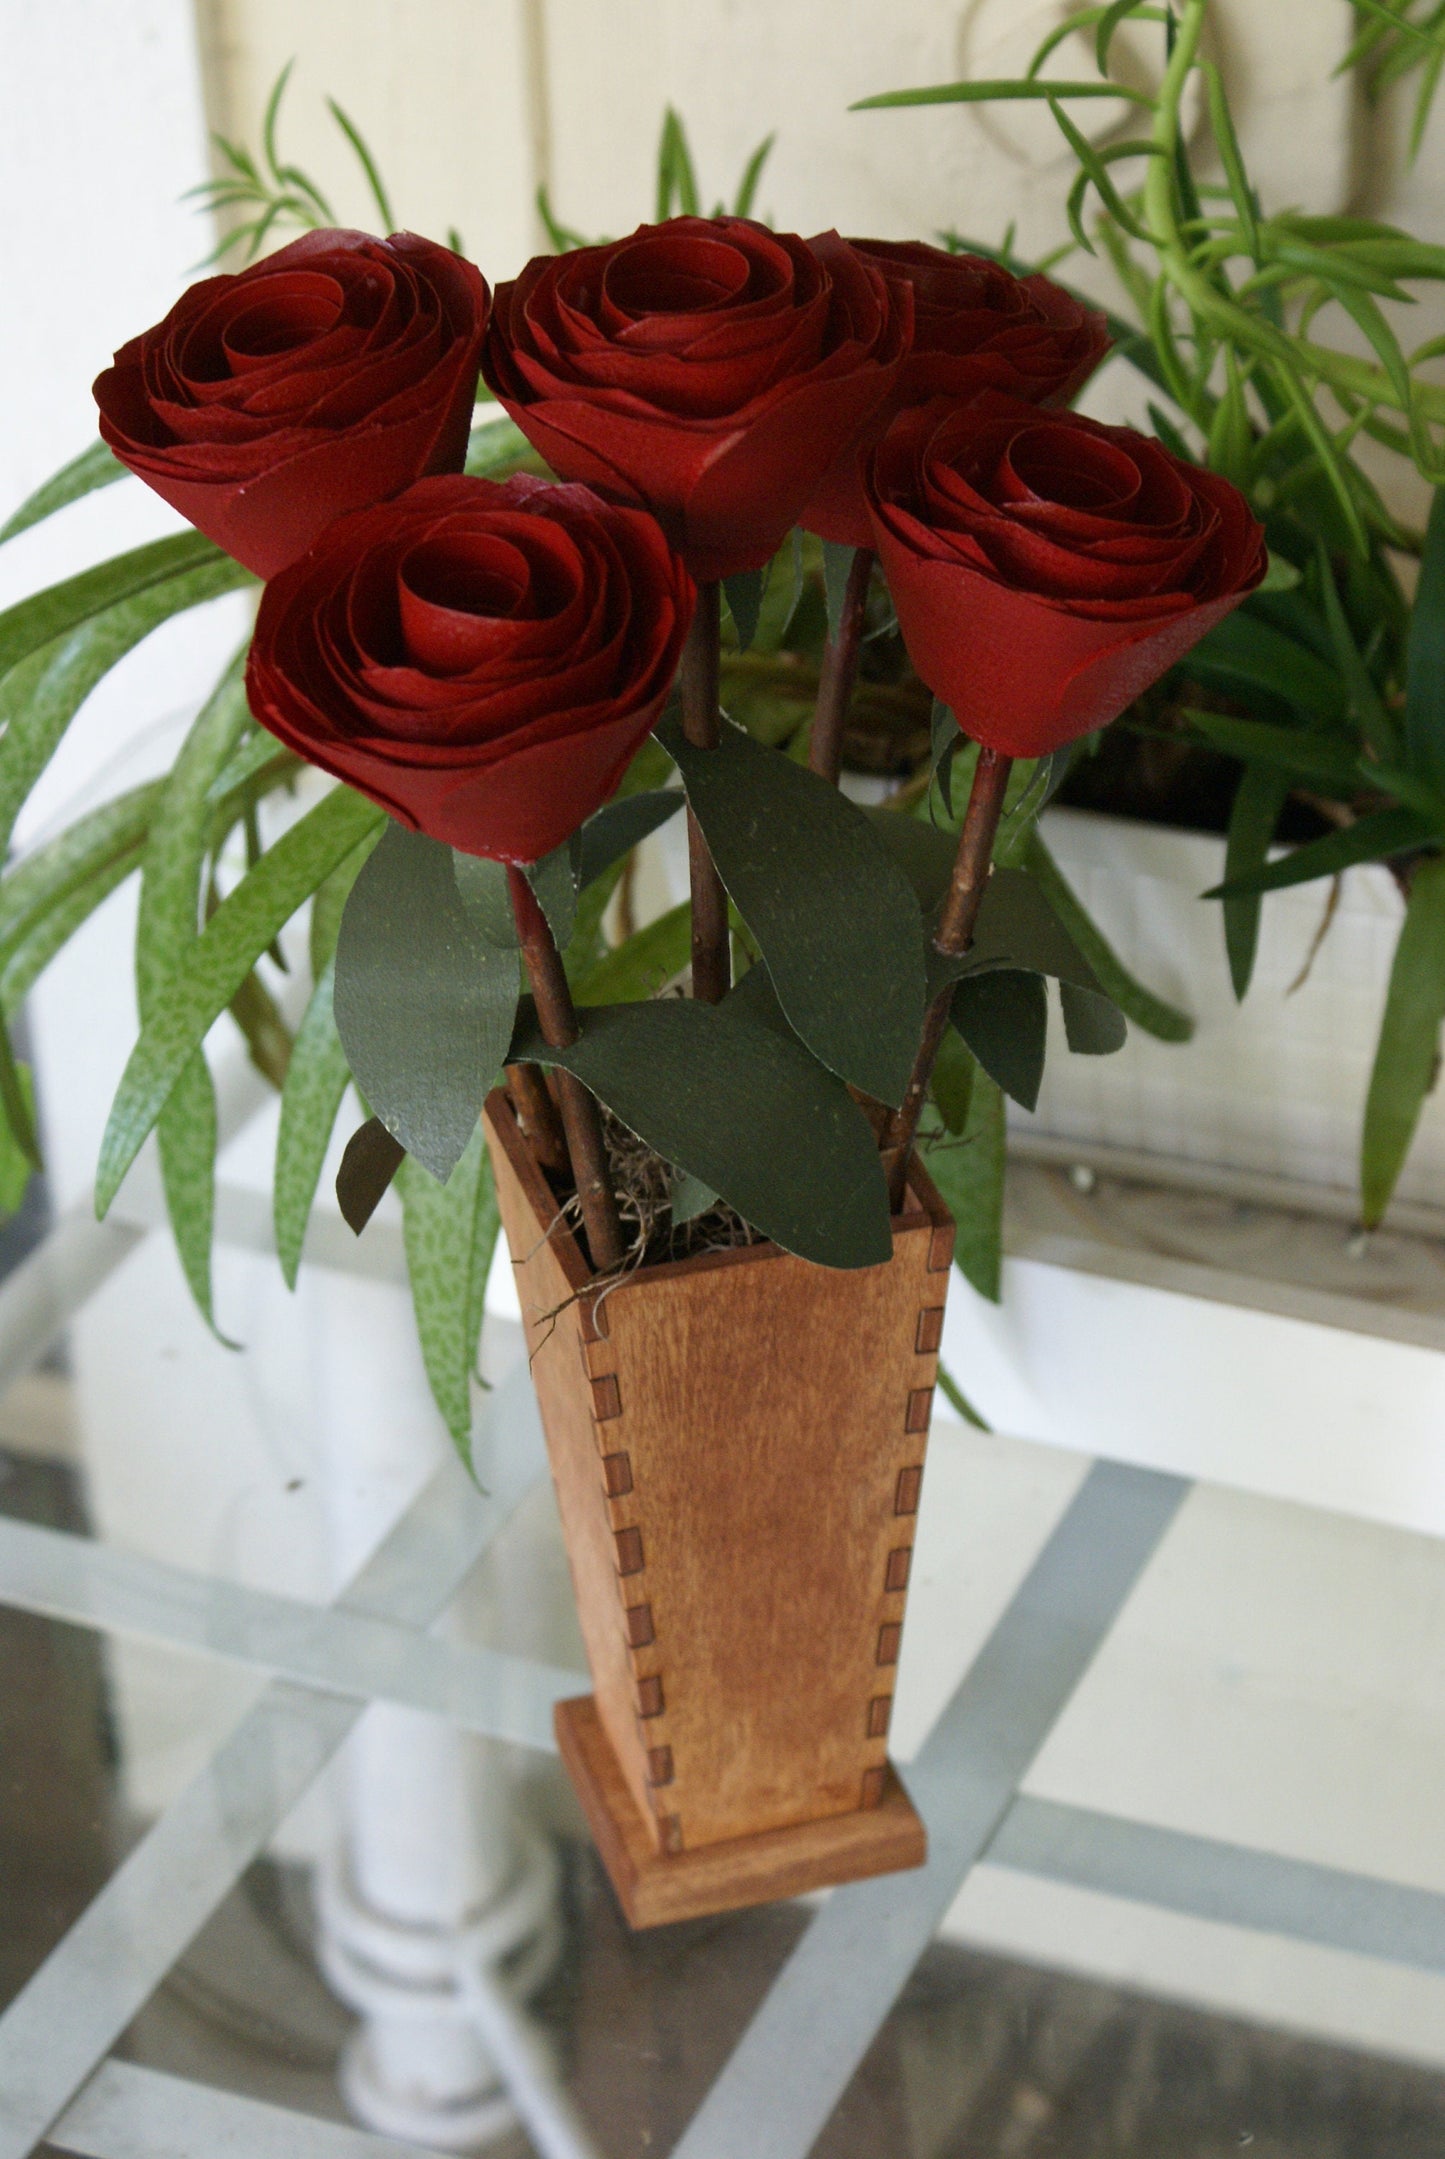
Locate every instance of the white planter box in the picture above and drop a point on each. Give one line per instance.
(1273, 1088)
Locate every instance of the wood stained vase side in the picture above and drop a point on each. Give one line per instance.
(737, 1443)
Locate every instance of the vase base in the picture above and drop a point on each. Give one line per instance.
(655, 1887)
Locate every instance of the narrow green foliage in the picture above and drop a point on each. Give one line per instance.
(17, 1104)
(367, 163)
(957, 1400)
(1407, 1058)
(1258, 800)
(997, 91)
(1425, 677)
(218, 963)
(167, 926)
(95, 467)
(17, 1152)
(446, 1229)
(45, 616)
(1157, 1017)
(969, 1173)
(316, 1081)
(43, 691)
(652, 957)
(676, 180)
(1377, 837)
(752, 174)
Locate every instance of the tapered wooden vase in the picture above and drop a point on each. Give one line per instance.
(737, 1443)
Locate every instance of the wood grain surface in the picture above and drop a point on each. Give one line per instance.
(737, 1442)
(654, 1888)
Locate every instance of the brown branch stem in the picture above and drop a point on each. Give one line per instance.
(840, 672)
(581, 1119)
(537, 1117)
(971, 869)
(702, 725)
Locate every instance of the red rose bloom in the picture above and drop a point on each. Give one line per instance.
(481, 660)
(975, 327)
(323, 379)
(707, 369)
(1046, 569)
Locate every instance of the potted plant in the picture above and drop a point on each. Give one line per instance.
(1274, 345)
(733, 1265)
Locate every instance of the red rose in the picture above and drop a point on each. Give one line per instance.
(706, 369)
(975, 327)
(323, 379)
(481, 660)
(1047, 569)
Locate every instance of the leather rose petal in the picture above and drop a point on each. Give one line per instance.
(705, 369)
(1047, 569)
(975, 327)
(483, 660)
(324, 379)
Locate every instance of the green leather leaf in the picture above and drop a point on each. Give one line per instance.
(555, 881)
(828, 908)
(1003, 1016)
(744, 595)
(1093, 1025)
(969, 1174)
(424, 1004)
(742, 1107)
(619, 826)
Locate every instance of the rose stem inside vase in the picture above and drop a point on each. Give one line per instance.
(702, 725)
(581, 1119)
(840, 671)
(537, 1117)
(971, 869)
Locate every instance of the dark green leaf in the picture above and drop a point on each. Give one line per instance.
(1366, 704)
(1258, 800)
(96, 467)
(214, 968)
(1407, 1056)
(744, 593)
(1245, 652)
(554, 880)
(831, 913)
(1330, 761)
(1003, 1017)
(1093, 1025)
(945, 741)
(370, 1161)
(424, 1005)
(690, 1198)
(1375, 838)
(486, 895)
(1425, 668)
(619, 826)
(729, 1098)
(46, 615)
(316, 1080)
(1164, 1021)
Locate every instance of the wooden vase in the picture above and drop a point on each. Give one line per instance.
(737, 1443)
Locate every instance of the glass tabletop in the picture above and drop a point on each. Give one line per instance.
(286, 1857)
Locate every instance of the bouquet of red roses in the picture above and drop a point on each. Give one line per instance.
(481, 663)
